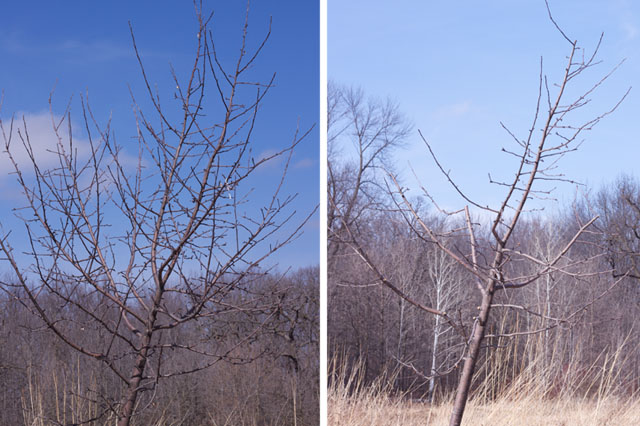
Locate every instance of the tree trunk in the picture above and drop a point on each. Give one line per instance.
(133, 388)
(464, 384)
(436, 337)
(434, 355)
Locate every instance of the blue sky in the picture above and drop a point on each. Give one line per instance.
(459, 68)
(79, 47)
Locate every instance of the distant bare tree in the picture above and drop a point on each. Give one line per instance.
(446, 280)
(144, 247)
(619, 207)
(362, 134)
(489, 257)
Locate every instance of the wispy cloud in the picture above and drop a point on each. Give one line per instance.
(453, 110)
(13, 42)
(627, 22)
(96, 50)
(630, 30)
(38, 130)
(305, 163)
(272, 162)
(101, 50)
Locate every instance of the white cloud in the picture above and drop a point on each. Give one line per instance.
(36, 130)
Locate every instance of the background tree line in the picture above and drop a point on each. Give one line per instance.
(273, 376)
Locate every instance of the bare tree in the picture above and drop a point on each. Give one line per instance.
(446, 281)
(362, 133)
(422, 272)
(619, 207)
(142, 247)
(489, 257)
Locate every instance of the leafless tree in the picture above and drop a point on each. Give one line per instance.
(619, 207)
(362, 134)
(144, 245)
(489, 257)
(446, 281)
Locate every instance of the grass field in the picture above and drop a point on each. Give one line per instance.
(367, 409)
(522, 404)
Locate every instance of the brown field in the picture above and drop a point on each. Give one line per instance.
(379, 409)
(353, 404)
(376, 408)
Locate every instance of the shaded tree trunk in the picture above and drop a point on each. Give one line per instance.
(133, 388)
(477, 337)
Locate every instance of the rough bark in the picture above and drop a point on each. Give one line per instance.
(470, 361)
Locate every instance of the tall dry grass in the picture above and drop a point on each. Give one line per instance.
(526, 392)
(63, 398)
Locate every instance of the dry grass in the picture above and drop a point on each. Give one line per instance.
(58, 398)
(379, 409)
(587, 399)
